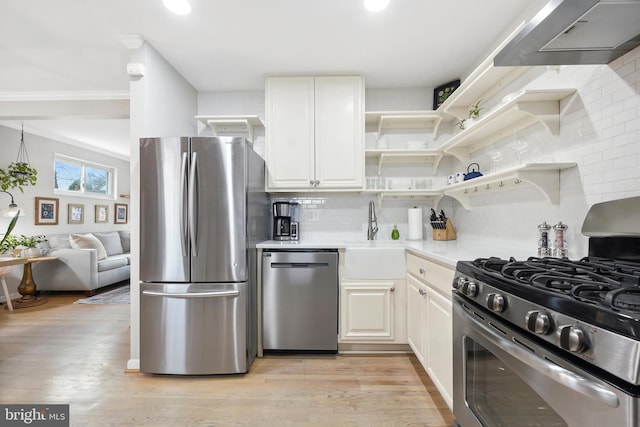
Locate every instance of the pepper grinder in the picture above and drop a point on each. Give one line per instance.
(543, 242)
(560, 245)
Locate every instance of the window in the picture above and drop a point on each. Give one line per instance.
(78, 177)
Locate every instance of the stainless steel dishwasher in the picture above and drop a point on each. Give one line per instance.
(300, 300)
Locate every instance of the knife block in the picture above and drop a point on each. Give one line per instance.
(447, 233)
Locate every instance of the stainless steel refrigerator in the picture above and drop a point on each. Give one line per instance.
(203, 208)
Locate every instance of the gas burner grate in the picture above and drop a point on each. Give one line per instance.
(594, 293)
(624, 299)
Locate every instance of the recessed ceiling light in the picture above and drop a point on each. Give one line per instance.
(375, 5)
(179, 7)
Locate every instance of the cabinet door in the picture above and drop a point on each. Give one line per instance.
(339, 132)
(440, 344)
(289, 146)
(416, 317)
(367, 311)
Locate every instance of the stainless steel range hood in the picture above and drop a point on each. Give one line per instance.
(567, 32)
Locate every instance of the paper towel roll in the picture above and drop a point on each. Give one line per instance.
(415, 224)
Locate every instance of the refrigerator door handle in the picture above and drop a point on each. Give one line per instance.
(183, 207)
(192, 295)
(193, 204)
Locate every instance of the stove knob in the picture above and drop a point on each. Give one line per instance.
(459, 282)
(496, 302)
(571, 338)
(538, 322)
(470, 289)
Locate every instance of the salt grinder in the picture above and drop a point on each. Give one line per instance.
(543, 241)
(560, 245)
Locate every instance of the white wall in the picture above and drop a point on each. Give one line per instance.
(163, 103)
(41, 153)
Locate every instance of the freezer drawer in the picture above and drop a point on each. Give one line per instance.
(193, 329)
(300, 301)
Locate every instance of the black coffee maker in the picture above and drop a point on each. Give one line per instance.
(285, 221)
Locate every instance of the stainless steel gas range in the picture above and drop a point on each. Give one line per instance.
(552, 342)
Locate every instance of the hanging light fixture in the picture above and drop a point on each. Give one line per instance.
(13, 209)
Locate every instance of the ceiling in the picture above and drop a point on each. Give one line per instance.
(70, 49)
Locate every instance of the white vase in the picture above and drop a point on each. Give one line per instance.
(31, 252)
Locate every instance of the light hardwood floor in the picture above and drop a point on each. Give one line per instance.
(62, 352)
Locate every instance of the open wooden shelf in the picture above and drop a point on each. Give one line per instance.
(405, 156)
(404, 120)
(232, 125)
(518, 111)
(483, 82)
(543, 176)
(420, 195)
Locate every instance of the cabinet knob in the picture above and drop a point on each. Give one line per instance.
(422, 292)
(392, 290)
(311, 182)
(317, 182)
(422, 270)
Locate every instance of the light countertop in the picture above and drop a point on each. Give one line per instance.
(443, 252)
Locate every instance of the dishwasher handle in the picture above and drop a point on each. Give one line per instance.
(299, 265)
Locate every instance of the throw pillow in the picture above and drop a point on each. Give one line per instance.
(111, 242)
(59, 241)
(125, 238)
(87, 241)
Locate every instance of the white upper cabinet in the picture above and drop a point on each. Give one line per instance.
(289, 130)
(315, 133)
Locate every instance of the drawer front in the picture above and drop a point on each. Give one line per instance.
(417, 266)
(435, 275)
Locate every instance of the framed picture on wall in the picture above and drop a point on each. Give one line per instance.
(441, 93)
(121, 213)
(102, 213)
(46, 211)
(76, 213)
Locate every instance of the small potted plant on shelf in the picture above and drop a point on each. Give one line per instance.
(474, 113)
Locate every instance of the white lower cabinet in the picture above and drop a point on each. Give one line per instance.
(417, 317)
(373, 311)
(429, 321)
(440, 344)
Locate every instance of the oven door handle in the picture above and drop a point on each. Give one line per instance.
(555, 372)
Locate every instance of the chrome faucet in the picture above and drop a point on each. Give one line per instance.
(373, 222)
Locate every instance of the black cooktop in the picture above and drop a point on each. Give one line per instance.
(601, 291)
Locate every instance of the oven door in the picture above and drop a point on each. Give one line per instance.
(503, 379)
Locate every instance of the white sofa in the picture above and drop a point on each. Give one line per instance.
(82, 269)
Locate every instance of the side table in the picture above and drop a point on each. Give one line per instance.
(27, 287)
